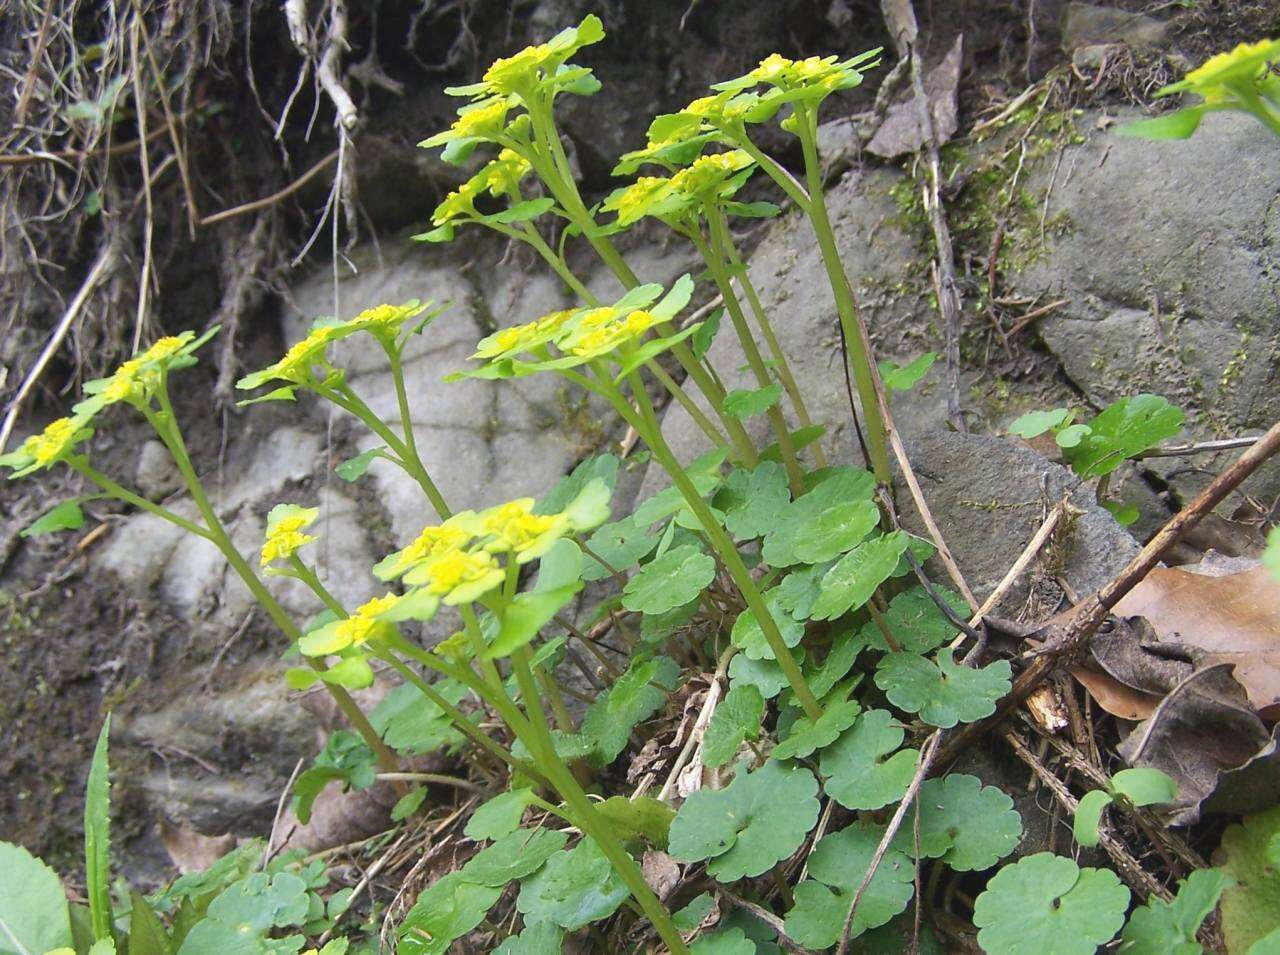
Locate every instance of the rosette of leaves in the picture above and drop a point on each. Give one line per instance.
(1122, 430)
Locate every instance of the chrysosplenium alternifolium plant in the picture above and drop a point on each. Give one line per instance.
(784, 570)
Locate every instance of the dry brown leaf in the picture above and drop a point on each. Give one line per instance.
(660, 872)
(1114, 697)
(1228, 619)
(191, 851)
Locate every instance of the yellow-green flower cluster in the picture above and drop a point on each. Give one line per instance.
(286, 524)
(500, 177)
(583, 334)
(1244, 71)
(709, 178)
(306, 362)
(55, 443)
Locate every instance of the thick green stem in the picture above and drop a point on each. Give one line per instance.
(775, 347)
(646, 423)
(711, 253)
(592, 824)
(860, 355)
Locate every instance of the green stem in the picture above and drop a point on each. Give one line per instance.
(488, 669)
(592, 824)
(166, 426)
(646, 424)
(309, 577)
(860, 355)
(711, 253)
(350, 402)
(688, 404)
(771, 339)
(82, 465)
(459, 719)
(531, 235)
(410, 441)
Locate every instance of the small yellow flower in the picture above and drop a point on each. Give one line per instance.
(433, 542)
(355, 630)
(50, 446)
(166, 347)
(458, 576)
(514, 527)
(638, 199)
(772, 68)
(707, 173)
(285, 526)
(482, 121)
(459, 203)
(125, 384)
(1247, 63)
(387, 318)
(518, 71)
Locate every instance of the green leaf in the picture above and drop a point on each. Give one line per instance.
(741, 403)
(1071, 436)
(916, 622)
(33, 905)
(1144, 786)
(765, 675)
(448, 910)
(634, 697)
(706, 334)
(410, 723)
(650, 349)
(752, 500)
(808, 736)
(233, 866)
(864, 769)
(1126, 515)
(965, 824)
(1045, 903)
(67, 516)
(693, 914)
(499, 816)
(705, 475)
(1088, 818)
(573, 889)
(904, 378)
(639, 818)
(854, 578)
(514, 856)
(1251, 907)
(753, 823)
(670, 581)
(523, 211)
(353, 672)
(748, 635)
(724, 942)
(355, 468)
(943, 693)
(801, 438)
(838, 662)
(1169, 928)
(278, 394)
(602, 466)
(736, 719)
(619, 545)
(1124, 428)
(543, 938)
(408, 804)
(525, 615)
(147, 935)
(97, 836)
(345, 757)
(800, 589)
(260, 902)
(837, 867)
(1177, 125)
(793, 529)
(1271, 556)
(1035, 423)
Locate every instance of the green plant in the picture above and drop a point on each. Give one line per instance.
(1243, 79)
(1137, 787)
(229, 907)
(839, 667)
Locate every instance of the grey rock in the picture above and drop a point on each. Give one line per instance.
(155, 474)
(1172, 280)
(900, 132)
(1088, 24)
(986, 495)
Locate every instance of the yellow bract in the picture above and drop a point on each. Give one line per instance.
(166, 347)
(708, 172)
(48, 446)
(515, 72)
(483, 121)
(460, 202)
(386, 318)
(638, 198)
(285, 525)
(431, 543)
(458, 576)
(514, 527)
(1247, 62)
(608, 336)
(125, 383)
(354, 630)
